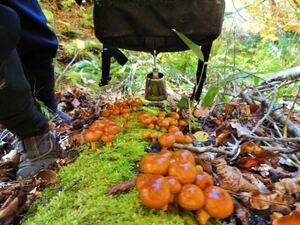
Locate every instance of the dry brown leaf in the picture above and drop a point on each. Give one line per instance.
(47, 176)
(263, 201)
(288, 185)
(231, 178)
(223, 136)
(257, 151)
(122, 187)
(241, 131)
(10, 208)
(201, 112)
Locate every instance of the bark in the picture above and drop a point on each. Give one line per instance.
(288, 74)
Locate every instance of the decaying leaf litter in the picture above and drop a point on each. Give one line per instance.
(241, 144)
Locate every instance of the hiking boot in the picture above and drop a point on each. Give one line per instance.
(36, 153)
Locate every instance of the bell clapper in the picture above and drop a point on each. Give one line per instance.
(155, 72)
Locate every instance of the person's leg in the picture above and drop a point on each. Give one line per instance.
(37, 48)
(18, 112)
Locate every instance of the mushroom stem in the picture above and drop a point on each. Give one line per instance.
(94, 146)
(202, 217)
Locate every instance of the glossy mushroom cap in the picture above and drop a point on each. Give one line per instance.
(92, 135)
(167, 140)
(218, 202)
(155, 164)
(203, 180)
(191, 197)
(185, 172)
(184, 156)
(175, 185)
(156, 193)
(292, 219)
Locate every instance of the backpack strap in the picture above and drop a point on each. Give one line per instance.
(107, 53)
(201, 71)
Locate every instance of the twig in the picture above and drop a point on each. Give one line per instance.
(277, 129)
(256, 138)
(285, 128)
(203, 149)
(66, 68)
(279, 149)
(267, 114)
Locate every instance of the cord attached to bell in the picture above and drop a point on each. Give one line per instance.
(155, 72)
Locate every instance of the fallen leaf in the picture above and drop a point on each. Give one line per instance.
(241, 131)
(201, 136)
(263, 201)
(121, 188)
(222, 136)
(47, 176)
(201, 112)
(231, 178)
(248, 162)
(288, 186)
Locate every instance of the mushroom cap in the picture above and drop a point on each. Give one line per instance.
(203, 180)
(175, 115)
(166, 153)
(145, 179)
(155, 164)
(185, 172)
(92, 135)
(184, 156)
(191, 197)
(292, 219)
(188, 140)
(218, 202)
(175, 185)
(180, 138)
(173, 129)
(155, 193)
(97, 124)
(167, 140)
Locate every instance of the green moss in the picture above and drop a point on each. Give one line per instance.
(85, 203)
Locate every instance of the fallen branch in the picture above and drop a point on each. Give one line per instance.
(279, 117)
(192, 148)
(273, 139)
(289, 74)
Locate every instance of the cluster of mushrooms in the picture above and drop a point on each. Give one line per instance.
(101, 130)
(105, 130)
(173, 178)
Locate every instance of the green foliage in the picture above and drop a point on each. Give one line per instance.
(210, 96)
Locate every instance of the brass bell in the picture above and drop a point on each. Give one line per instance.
(155, 85)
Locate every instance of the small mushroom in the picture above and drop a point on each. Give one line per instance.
(175, 185)
(167, 140)
(92, 136)
(156, 193)
(218, 202)
(155, 164)
(292, 219)
(183, 155)
(191, 197)
(203, 180)
(185, 172)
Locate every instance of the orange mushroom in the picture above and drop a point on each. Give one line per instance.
(167, 140)
(144, 179)
(203, 180)
(175, 115)
(218, 202)
(166, 153)
(173, 129)
(191, 197)
(185, 172)
(188, 139)
(175, 185)
(92, 136)
(155, 193)
(292, 219)
(180, 138)
(107, 139)
(155, 164)
(182, 155)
